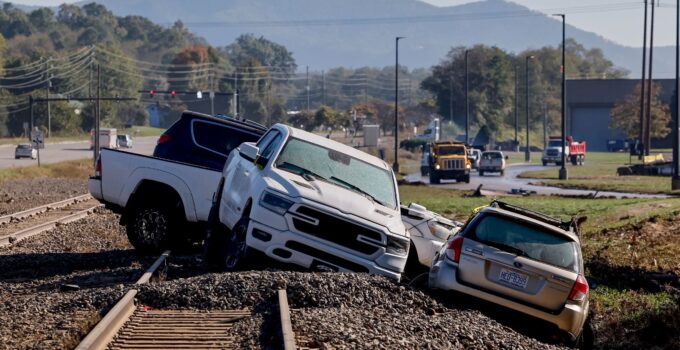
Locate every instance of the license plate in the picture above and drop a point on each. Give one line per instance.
(516, 279)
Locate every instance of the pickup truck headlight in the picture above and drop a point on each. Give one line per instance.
(439, 230)
(275, 203)
(397, 246)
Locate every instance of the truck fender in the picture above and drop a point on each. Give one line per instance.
(141, 174)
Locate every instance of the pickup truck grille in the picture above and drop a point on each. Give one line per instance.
(452, 164)
(553, 153)
(336, 230)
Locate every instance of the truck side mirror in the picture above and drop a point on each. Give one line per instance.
(249, 151)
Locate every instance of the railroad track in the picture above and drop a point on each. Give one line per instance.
(129, 325)
(27, 223)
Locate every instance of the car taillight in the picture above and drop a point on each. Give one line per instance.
(580, 289)
(98, 167)
(163, 139)
(454, 248)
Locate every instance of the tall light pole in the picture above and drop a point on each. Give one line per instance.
(675, 183)
(467, 99)
(641, 137)
(527, 152)
(516, 145)
(648, 124)
(563, 169)
(395, 165)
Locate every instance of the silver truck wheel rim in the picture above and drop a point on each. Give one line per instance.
(237, 247)
(152, 225)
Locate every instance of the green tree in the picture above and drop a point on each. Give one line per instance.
(325, 115)
(625, 115)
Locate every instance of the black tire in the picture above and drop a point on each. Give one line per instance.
(151, 227)
(545, 163)
(467, 179)
(586, 339)
(434, 179)
(481, 173)
(502, 172)
(236, 253)
(413, 267)
(574, 160)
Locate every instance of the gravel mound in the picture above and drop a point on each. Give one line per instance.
(18, 195)
(340, 311)
(54, 285)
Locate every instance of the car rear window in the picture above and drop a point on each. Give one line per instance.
(24, 146)
(492, 155)
(217, 138)
(526, 239)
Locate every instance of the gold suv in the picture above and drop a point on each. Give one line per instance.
(520, 259)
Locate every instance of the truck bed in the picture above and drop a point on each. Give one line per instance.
(123, 172)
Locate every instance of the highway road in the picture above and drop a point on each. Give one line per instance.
(59, 152)
(505, 184)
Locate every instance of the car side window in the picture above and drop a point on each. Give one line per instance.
(217, 138)
(268, 151)
(266, 138)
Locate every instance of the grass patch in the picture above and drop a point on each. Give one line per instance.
(599, 173)
(80, 169)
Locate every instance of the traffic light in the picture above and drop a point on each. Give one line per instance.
(151, 93)
(173, 93)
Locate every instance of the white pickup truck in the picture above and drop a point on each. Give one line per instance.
(303, 199)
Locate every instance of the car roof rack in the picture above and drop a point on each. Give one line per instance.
(571, 225)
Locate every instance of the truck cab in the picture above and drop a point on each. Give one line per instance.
(302, 199)
(449, 160)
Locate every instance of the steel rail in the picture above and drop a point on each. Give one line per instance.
(43, 208)
(46, 226)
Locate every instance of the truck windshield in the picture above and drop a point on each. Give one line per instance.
(451, 151)
(555, 143)
(339, 169)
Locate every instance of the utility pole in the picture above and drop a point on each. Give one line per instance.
(643, 82)
(675, 182)
(451, 100)
(648, 124)
(307, 88)
(545, 122)
(30, 106)
(516, 111)
(467, 99)
(48, 85)
(236, 94)
(563, 174)
(323, 87)
(395, 166)
(527, 152)
(97, 114)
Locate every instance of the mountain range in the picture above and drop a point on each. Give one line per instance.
(356, 33)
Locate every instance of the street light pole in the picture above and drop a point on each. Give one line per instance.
(643, 83)
(563, 169)
(516, 145)
(467, 99)
(395, 165)
(675, 182)
(527, 152)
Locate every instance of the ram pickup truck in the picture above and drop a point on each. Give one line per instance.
(165, 200)
(303, 199)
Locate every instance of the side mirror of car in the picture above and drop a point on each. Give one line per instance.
(249, 151)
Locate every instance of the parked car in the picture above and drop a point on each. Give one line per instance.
(124, 141)
(165, 202)
(25, 150)
(428, 231)
(475, 156)
(303, 199)
(205, 140)
(519, 259)
(619, 145)
(492, 162)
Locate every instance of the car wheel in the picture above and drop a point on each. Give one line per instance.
(15, 157)
(236, 250)
(586, 339)
(481, 173)
(149, 228)
(545, 163)
(434, 179)
(467, 179)
(502, 172)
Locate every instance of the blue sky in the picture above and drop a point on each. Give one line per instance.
(621, 26)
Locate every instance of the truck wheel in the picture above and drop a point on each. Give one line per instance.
(481, 173)
(434, 179)
(236, 251)
(502, 172)
(574, 160)
(545, 163)
(467, 179)
(150, 228)
(583, 159)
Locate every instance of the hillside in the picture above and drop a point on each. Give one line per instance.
(322, 45)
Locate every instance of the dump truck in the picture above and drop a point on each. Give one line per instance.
(449, 160)
(575, 151)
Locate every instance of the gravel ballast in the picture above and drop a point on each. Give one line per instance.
(54, 285)
(18, 195)
(340, 311)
